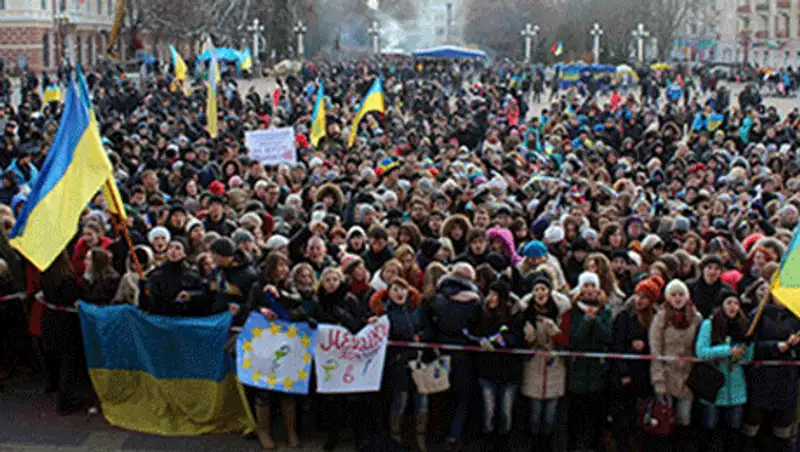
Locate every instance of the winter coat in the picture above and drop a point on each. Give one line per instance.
(544, 377)
(774, 387)
(232, 285)
(734, 392)
(101, 288)
(373, 261)
(406, 322)
(507, 239)
(457, 306)
(499, 367)
(588, 335)
(627, 329)
(170, 279)
(128, 290)
(80, 251)
(670, 377)
(707, 297)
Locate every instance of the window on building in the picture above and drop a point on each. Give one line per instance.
(46, 50)
(2, 4)
(99, 7)
(110, 8)
(43, 4)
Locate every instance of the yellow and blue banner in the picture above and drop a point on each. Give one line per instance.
(275, 355)
(110, 190)
(163, 375)
(211, 94)
(318, 125)
(786, 282)
(246, 61)
(178, 64)
(52, 94)
(73, 172)
(373, 101)
(558, 48)
(714, 121)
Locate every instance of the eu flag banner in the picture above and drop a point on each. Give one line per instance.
(163, 375)
(275, 355)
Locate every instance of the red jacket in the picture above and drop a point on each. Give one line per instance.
(80, 253)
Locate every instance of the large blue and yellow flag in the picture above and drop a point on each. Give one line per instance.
(211, 93)
(163, 375)
(714, 121)
(110, 191)
(318, 124)
(373, 101)
(275, 355)
(73, 172)
(178, 64)
(786, 282)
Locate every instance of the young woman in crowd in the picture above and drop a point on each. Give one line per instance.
(672, 333)
(546, 326)
(590, 331)
(100, 280)
(629, 379)
(401, 303)
(411, 271)
(723, 337)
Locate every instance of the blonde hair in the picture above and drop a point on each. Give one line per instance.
(304, 267)
(335, 270)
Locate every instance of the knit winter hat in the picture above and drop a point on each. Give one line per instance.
(223, 246)
(651, 288)
(349, 263)
(553, 235)
(588, 277)
(676, 285)
(534, 249)
(430, 247)
(158, 231)
(275, 242)
(241, 236)
(651, 241)
(711, 259)
(191, 224)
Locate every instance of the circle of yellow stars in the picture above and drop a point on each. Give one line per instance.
(291, 332)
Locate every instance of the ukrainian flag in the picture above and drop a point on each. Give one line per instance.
(246, 64)
(714, 121)
(75, 169)
(318, 125)
(178, 64)
(163, 375)
(786, 282)
(211, 93)
(110, 190)
(373, 101)
(52, 94)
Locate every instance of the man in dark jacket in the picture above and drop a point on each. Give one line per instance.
(379, 251)
(708, 290)
(175, 288)
(216, 220)
(232, 280)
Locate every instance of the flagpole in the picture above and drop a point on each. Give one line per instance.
(125, 232)
(759, 312)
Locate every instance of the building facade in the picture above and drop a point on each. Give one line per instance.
(43, 34)
(768, 32)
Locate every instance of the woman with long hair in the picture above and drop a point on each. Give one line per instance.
(411, 271)
(274, 300)
(92, 235)
(100, 280)
(598, 263)
(723, 337)
(672, 333)
(545, 313)
(630, 380)
(401, 303)
(65, 361)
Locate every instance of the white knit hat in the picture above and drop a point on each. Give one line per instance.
(554, 234)
(158, 231)
(588, 277)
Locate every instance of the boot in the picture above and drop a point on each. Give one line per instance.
(264, 427)
(396, 427)
(289, 409)
(421, 430)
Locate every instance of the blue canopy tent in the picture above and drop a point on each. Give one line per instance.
(449, 52)
(225, 54)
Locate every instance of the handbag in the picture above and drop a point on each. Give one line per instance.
(657, 416)
(433, 377)
(705, 381)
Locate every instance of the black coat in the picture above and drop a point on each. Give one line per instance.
(707, 297)
(627, 329)
(405, 322)
(166, 282)
(774, 387)
(499, 367)
(232, 285)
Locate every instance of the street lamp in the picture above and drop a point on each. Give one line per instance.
(596, 33)
(300, 30)
(61, 21)
(256, 28)
(529, 33)
(640, 34)
(375, 33)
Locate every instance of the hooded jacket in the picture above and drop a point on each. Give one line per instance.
(507, 239)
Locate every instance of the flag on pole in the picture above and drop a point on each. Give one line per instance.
(318, 124)
(178, 64)
(557, 49)
(211, 93)
(73, 172)
(373, 101)
(110, 190)
(786, 282)
(246, 63)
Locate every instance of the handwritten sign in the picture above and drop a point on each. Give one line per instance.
(271, 146)
(275, 355)
(347, 363)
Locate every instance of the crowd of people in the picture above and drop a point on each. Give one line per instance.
(635, 225)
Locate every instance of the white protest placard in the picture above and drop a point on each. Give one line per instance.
(347, 363)
(271, 146)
